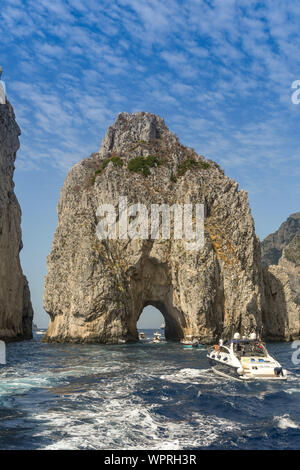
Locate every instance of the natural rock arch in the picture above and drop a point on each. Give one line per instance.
(152, 286)
(95, 290)
(174, 322)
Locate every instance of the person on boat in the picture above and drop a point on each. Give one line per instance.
(240, 349)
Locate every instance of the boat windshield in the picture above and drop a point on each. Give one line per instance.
(251, 348)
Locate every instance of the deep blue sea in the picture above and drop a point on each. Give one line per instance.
(140, 396)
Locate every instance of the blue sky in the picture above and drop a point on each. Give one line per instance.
(219, 72)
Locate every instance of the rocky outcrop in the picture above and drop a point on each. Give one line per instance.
(282, 281)
(15, 306)
(273, 245)
(96, 290)
(281, 312)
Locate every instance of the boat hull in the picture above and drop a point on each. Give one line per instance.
(245, 359)
(230, 371)
(225, 369)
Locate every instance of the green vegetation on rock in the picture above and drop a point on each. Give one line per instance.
(116, 160)
(189, 164)
(143, 164)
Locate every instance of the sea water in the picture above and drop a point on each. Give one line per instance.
(140, 396)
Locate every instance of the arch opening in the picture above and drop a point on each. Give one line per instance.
(151, 318)
(160, 315)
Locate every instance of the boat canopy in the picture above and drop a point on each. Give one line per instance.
(246, 347)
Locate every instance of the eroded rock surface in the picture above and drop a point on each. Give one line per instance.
(96, 290)
(282, 280)
(15, 307)
(273, 245)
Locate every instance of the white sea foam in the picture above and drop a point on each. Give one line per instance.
(112, 416)
(192, 376)
(16, 385)
(105, 398)
(285, 422)
(119, 423)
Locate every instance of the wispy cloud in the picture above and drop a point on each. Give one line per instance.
(219, 72)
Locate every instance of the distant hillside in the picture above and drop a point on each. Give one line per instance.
(281, 256)
(273, 245)
(292, 251)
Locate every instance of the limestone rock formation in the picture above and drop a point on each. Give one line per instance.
(15, 307)
(273, 245)
(290, 262)
(96, 290)
(281, 312)
(282, 280)
(282, 288)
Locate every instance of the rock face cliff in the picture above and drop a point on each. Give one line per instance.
(281, 256)
(273, 245)
(96, 290)
(15, 307)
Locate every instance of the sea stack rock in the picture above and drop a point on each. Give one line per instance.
(15, 307)
(281, 273)
(95, 290)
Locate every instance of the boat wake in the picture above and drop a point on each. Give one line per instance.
(193, 376)
(139, 397)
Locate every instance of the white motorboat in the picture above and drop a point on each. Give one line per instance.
(157, 337)
(142, 335)
(36, 330)
(245, 359)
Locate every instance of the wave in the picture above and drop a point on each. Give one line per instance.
(122, 424)
(285, 422)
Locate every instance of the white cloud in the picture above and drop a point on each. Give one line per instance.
(225, 66)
